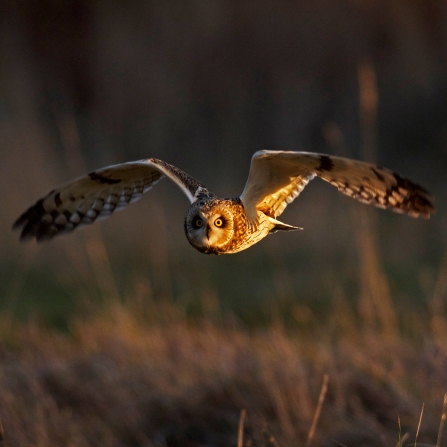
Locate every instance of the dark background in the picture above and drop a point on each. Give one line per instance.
(203, 85)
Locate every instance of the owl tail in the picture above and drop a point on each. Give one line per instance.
(281, 226)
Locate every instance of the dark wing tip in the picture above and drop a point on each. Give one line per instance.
(411, 198)
(28, 221)
(36, 223)
(19, 223)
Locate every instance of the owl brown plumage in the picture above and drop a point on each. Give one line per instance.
(218, 226)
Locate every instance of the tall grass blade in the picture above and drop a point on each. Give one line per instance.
(240, 434)
(419, 426)
(401, 439)
(318, 410)
(441, 425)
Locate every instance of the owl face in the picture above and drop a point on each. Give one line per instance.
(209, 226)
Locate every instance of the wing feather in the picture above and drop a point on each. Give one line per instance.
(276, 178)
(99, 194)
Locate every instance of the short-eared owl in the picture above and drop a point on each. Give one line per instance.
(214, 225)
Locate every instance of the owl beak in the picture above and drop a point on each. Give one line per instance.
(208, 229)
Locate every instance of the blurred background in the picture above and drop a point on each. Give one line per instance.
(122, 334)
(203, 85)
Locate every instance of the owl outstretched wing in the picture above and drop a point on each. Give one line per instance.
(276, 178)
(98, 194)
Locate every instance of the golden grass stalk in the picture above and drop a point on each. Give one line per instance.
(240, 434)
(419, 426)
(441, 425)
(318, 410)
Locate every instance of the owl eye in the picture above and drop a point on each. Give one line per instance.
(198, 223)
(218, 222)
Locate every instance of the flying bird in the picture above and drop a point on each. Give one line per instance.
(215, 225)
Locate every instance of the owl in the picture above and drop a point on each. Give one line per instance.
(216, 225)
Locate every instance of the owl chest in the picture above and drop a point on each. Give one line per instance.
(245, 236)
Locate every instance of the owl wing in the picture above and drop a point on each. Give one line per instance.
(98, 194)
(276, 178)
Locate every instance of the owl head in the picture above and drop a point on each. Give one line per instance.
(209, 226)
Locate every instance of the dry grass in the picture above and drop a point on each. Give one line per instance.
(121, 378)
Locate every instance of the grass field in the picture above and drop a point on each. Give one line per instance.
(128, 375)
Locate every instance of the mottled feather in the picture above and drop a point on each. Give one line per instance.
(218, 226)
(99, 194)
(277, 177)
